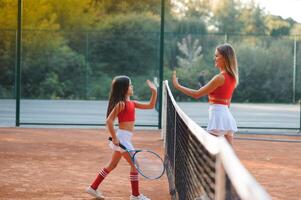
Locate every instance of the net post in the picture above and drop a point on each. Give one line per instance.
(176, 197)
(220, 179)
(164, 112)
(175, 145)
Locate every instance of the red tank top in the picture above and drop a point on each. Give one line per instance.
(223, 94)
(128, 114)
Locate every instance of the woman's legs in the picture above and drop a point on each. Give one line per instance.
(229, 137)
(133, 175)
(105, 171)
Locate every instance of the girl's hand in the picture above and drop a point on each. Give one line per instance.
(151, 85)
(115, 141)
(175, 79)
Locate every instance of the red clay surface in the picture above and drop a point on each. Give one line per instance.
(275, 165)
(61, 163)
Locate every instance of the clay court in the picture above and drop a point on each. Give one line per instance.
(60, 163)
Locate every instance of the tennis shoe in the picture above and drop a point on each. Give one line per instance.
(140, 197)
(94, 193)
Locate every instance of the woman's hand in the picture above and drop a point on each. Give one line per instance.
(175, 79)
(151, 85)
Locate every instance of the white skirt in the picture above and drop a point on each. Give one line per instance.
(221, 121)
(125, 138)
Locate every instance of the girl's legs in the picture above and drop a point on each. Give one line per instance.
(133, 175)
(105, 171)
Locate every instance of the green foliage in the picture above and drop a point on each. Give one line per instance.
(277, 26)
(73, 50)
(56, 73)
(8, 14)
(105, 8)
(99, 87)
(126, 44)
(253, 20)
(7, 53)
(265, 73)
(226, 17)
(191, 51)
(178, 30)
(191, 25)
(296, 30)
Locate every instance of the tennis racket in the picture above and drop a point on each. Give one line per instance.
(148, 163)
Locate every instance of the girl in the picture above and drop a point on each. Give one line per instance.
(219, 89)
(121, 107)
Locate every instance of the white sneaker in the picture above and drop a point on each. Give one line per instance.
(140, 197)
(94, 193)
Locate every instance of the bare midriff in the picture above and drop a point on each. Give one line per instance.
(213, 100)
(129, 126)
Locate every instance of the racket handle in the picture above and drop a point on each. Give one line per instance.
(123, 147)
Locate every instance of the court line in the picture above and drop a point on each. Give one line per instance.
(268, 139)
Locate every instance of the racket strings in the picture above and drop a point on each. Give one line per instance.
(149, 164)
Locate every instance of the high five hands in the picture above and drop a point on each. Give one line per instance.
(151, 85)
(175, 79)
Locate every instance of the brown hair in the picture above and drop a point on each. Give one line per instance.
(227, 51)
(119, 89)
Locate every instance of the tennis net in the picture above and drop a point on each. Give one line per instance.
(200, 166)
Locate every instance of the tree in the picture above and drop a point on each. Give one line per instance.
(191, 8)
(253, 18)
(226, 16)
(109, 7)
(8, 24)
(126, 44)
(50, 68)
(191, 51)
(296, 29)
(277, 26)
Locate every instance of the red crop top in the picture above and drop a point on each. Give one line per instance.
(128, 114)
(223, 94)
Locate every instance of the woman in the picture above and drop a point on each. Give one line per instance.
(219, 90)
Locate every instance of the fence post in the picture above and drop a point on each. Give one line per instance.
(86, 65)
(18, 64)
(226, 38)
(161, 70)
(294, 69)
(300, 115)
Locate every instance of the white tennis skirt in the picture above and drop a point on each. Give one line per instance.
(221, 121)
(125, 138)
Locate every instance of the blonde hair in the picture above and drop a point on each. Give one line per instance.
(227, 51)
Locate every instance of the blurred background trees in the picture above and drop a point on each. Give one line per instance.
(73, 50)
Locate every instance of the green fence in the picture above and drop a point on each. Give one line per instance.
(66, 65)
(83, 67)
(268, 73)
(65, 58)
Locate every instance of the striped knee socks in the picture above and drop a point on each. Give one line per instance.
(101, 176)
(135, 183)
